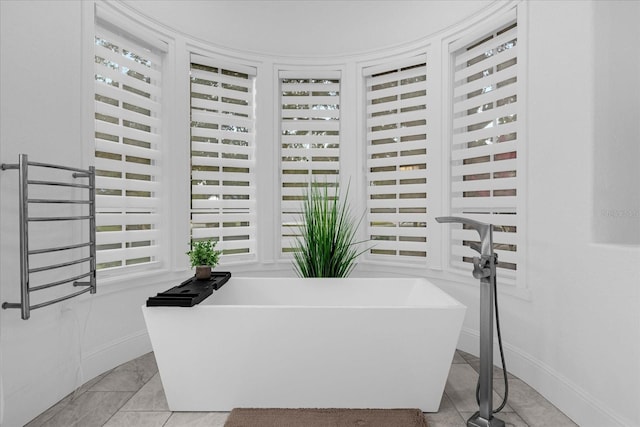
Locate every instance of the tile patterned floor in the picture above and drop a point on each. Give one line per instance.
(132, 395)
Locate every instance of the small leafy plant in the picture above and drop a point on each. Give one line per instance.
(326, 246)
(203, 253)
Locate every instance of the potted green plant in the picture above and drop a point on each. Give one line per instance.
(204, 257)
(326, 246)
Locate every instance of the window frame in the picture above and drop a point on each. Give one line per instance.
(515, 284)
(398, 67)
(250, 162)
(107, 21)
(289, 212)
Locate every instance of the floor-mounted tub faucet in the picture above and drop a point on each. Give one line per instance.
(484, 268)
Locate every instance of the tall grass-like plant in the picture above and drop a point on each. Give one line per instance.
(326, 246)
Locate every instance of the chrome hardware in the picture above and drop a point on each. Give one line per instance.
(484, 268)
(23, 166)
(481, 268)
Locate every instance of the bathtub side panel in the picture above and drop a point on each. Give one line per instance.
(217, 358)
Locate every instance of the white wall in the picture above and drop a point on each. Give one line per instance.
(582, 325)
(576, 338)
(313, 28)
(61, 346)
(617, 129)
(36, 106)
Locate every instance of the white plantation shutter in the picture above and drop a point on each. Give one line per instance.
(128, 117)
(397, 160)
(310, 141)
(484, 148)
(223, 183)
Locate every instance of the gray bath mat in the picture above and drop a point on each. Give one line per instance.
(246, 417)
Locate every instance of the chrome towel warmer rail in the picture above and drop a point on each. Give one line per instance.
(24, 219)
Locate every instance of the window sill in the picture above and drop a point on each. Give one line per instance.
(138, 279)
(451, 277)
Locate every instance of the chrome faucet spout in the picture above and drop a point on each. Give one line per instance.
(483, 229)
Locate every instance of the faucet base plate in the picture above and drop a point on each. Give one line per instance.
(478, 421)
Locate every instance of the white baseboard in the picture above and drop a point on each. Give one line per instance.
(575, 402)
(115, 353)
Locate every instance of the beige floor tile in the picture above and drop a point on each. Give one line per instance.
(461, 389)
(90, 409)
(197, 419)
(90, 383)
(138, 419)
(132, 395)
(457, 358)
(467, 356)
(41, 420)
(150, 397)
(533, 408)
(497, 368)
(447, 415)
(130, 376)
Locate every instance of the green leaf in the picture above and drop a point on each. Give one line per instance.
(326, 246)
(203, 252)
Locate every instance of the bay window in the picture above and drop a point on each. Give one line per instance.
(460, 93)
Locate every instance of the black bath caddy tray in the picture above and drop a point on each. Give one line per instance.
(190, 292)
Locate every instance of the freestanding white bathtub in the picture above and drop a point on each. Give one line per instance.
(308, 343)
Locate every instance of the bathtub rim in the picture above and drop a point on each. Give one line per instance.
(443, 299)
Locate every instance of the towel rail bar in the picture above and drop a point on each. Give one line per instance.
(59, 184)
(60, 282)
(78, 202)
(59, 218)
(66, 297)
(66, 168)
(59, 248)
(86, 172)
(62, 264)
(24, 219)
